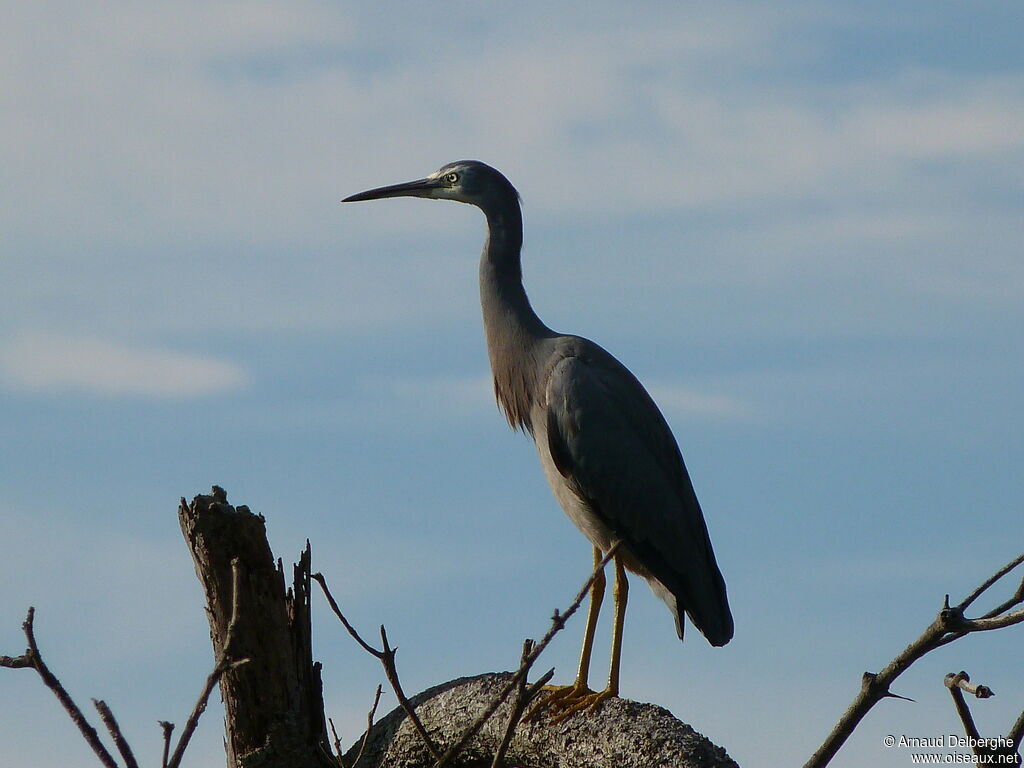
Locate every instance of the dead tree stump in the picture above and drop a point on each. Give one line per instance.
(273, 704)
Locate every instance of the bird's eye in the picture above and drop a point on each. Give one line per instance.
(451, 178)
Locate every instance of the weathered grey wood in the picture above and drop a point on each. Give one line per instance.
(620, 734)
(273, 704)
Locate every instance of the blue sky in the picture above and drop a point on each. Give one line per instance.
(798, 223)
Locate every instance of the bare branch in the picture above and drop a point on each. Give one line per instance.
(962, 681)
(1016, 732)
(1000, 747)
(516, 714)
(16, 662)
(167, 728)
(339, 759)
(961, 626)
(223, 665)
(558, 621)
(387, 659)
(948, 626)
(1017, 599)
(516, 710)
(956, 684)
(517, 681)
(115, 733)
(369, 726)
(32, 658)
(995, 622)
(319, 579)
(966, 602)
(524, 695)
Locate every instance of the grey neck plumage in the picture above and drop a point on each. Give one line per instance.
(514, 332)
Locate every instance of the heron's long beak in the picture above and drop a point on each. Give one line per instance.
(418, 188)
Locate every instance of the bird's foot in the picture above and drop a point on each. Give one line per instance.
(564, 701)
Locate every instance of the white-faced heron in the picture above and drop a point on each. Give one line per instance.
(607, 451)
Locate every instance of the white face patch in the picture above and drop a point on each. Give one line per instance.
(445, 191)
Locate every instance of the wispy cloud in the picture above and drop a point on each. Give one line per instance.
(38, 361)
(443, 395)
(433, 397)
(679, 116)
(475, 391)
(690, 403)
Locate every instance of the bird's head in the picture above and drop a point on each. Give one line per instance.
(464, 181)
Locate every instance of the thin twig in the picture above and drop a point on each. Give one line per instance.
(36, 661)
(956, 690)
(1008, 745)
(16, 662)
(524, 695)
(369, 727)
(558, 621)
(962, 681)
(516, 709)
(949, 625)
(337, 744)
(966, 602)
(387, 660)
(115, 733)
(167, 728)
(319, 579)
(529, 694)
(1018, 597)
(985, 624)
(223, 665)
(1016, 732)
(995, 622)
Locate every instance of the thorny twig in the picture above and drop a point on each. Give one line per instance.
(950, 624)
(387, 660)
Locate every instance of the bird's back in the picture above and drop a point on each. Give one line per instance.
(616, 470)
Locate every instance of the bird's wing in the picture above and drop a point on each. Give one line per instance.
(612, 445)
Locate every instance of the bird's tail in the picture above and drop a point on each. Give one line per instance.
(708, 609)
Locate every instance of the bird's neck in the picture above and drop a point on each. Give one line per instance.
(513, 329)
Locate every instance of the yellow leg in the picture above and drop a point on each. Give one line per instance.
(596, 598)
(620, 595)
(568, 700)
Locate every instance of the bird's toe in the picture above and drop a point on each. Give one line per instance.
(564, 701)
